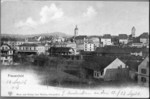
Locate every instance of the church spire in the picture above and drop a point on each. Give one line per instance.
(76, 31)
(133, 31)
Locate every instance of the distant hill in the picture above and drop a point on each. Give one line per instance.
(33, 35)
(54, 34)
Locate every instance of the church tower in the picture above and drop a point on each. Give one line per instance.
(76, 31)
(133, 31)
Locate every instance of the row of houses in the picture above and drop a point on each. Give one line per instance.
(119, 51)
(72, 49)
(29, 49)
(85, 43)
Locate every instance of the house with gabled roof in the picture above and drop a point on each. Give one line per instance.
(107, 69)
(6, 53)
(136, 43)
(79, 40)
(89, 47)
(123, 38)
(144, 38)
(143, 72)
(95, 40)
(106, 40)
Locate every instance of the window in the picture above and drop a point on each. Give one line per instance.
(96, 74)
(32, 48)
(143, 79)
(143, 71)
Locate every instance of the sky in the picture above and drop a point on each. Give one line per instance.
(92, 17)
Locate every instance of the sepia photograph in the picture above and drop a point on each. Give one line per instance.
(74, 48)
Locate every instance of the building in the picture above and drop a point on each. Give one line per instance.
(61, 51)
(132, 35)
(32, 41)
(113, 71)
(133, 31)
(95, 40)
(123, 38)
(6, 54)
(106, 40)
(108, 69)
(72, 45)
(58, 39)
(89, 47)
(20, 42)
(144, 38)
(80, 39)
(115, 40)
(143, 72)
(31, 49)
(119, 51)
(59, 44)
(137, 53)
(41, 49)
(76, 31)
(12, 44)
(136, 43)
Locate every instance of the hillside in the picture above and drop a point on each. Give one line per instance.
(33, 35)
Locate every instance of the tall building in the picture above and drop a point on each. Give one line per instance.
(133, 31)
(76, 31)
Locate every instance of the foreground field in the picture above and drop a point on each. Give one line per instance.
(37, 82)
(55, 77)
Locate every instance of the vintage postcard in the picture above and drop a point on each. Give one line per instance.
(74, 48)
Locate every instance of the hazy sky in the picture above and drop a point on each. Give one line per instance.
(92, 17)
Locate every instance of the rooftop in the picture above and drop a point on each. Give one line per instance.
(123, 36)
(136, 40)
(97, 62)
(59, 49)
(27, 44)
(133, 65)
(106, 36)
(144, 35)
(80, 37)
(119, 50)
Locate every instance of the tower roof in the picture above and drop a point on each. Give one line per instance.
(133, 28)
(76, 28)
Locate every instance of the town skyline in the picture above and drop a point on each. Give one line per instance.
(57, 16)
